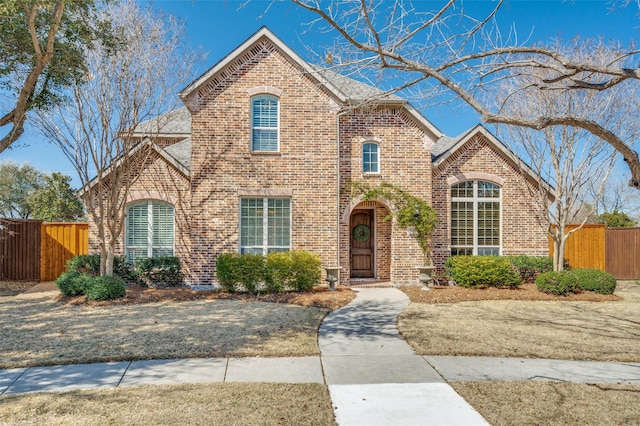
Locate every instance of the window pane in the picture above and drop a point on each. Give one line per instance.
(488, 190)
(461, 223)
(462, 190)
(251, 212)
(370, 158)
(488, 223)
(264, 123)
(137, 225)
(163, 227)
(279, 222)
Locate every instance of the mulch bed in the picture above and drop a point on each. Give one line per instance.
(320, 297)
(455, 294)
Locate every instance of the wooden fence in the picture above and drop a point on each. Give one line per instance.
(20, 245)
(35, 251)
(623, 253)
(615, 250)
(60, 242)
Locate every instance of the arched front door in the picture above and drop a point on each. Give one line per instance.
(362, 244)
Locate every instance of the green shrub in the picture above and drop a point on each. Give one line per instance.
(306, 270)
(89, 264)
(482, 271)
(73, 283)
(278, 271)
(560, 283)
(156, 272)
(246, 270)
(105, 288)
(85, 264)
(529, 267)
(595, 280)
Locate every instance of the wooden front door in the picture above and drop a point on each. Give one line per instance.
(362, 247)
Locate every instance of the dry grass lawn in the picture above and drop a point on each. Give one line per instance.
(550, 403)
(557, 329)
(210, 404)
(38, 330)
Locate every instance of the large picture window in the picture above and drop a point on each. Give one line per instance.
(475, 218)
(149, 230)
(265, 225)
(265, 123)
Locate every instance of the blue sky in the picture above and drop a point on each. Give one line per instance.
(218, 26)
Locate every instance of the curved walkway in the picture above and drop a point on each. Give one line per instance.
(373, 376)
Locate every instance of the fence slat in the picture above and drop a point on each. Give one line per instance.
(623, 253)
(60, 242)
(20, 253)
(585, 248)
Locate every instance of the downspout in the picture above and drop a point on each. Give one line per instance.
(338, 115)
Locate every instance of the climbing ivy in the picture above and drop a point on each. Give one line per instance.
(410, 212)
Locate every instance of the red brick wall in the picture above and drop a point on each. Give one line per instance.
(405, 161)
(521, 230)
(223, 169)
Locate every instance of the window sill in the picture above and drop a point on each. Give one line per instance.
(371, 174)
(267, 153)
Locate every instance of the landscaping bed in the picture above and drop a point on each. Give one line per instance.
(455, 294)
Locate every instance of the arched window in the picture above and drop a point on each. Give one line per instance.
(370, 158)
(475, 218)
(265, 117)
(149, 229)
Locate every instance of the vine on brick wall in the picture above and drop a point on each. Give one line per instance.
(411, 213)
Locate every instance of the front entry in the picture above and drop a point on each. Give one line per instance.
(362, 244)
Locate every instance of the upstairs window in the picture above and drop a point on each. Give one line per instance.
(149, 230)
(475, 218)
(370, 158)
(265, 117)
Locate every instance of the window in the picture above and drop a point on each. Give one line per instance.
(149, 230)
(265, 225)
(475, 218)
(370, 158)
(264, 123)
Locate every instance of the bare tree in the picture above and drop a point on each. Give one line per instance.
(446, 49)
(98, 129)
(574, 163)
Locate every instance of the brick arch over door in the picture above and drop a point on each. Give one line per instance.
(381, 239)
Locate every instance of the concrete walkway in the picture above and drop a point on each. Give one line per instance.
(373, 376)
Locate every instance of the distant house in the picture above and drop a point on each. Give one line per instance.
(258, 159)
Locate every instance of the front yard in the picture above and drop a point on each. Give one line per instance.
(557, 329)
(38, 330)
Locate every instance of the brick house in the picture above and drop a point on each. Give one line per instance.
(258, 159)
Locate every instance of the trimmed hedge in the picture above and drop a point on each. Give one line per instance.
(105, 288)
(483, 271)
(89, 264)
(157, 272)
(73, 283)
(296, 270)
(561, 283)
(529, 267)
(595, 280)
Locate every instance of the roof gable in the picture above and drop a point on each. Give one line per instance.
(447, 146)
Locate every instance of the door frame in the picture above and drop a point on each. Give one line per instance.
(374, 248)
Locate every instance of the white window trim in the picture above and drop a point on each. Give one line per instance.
(265, 225)
(150, 245)
(268, 96)
(475, 200)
